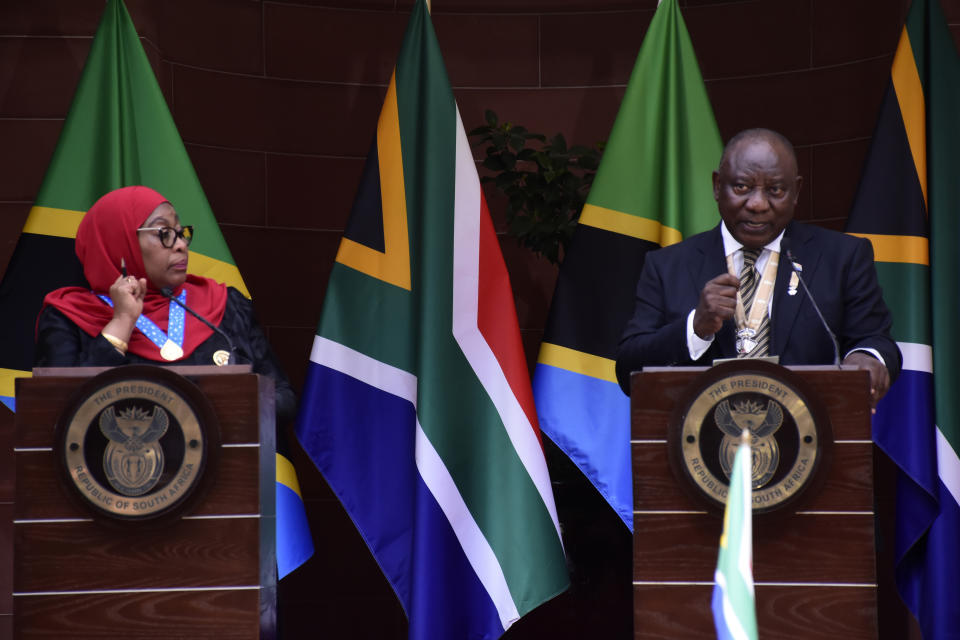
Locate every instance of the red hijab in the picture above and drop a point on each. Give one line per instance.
(107, 233)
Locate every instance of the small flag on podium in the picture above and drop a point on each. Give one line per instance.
(734, 607)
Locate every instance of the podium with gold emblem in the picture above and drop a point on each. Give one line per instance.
(813, 497)
(144, 504)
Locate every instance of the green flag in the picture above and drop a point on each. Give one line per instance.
(654, 181)
(653, 188)
(118, 132)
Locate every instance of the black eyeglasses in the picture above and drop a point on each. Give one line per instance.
(169, 235)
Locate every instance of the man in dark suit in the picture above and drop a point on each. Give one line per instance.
(687, 294)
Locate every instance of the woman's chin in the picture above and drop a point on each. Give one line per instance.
(173, 283)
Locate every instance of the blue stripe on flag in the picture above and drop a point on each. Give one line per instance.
(362, 440)
(294, 542)
(448, 597)
(909, 403)
(931, 590)
(719, 619)
(903, 429)
(589, 419)
(9, 402)
(928, 556)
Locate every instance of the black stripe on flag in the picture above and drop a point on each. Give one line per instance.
(595, 291)
(365, 225)
(39, 264)
(877, 208)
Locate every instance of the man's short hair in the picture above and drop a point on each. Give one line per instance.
(758, 133)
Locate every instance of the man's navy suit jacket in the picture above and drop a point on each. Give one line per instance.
(837, 267)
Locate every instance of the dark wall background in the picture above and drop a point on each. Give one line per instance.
(277, 103)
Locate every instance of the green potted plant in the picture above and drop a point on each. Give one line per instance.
(545, 182)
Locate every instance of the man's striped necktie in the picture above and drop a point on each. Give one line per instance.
(749, 279)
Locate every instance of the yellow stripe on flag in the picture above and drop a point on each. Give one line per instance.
(629, 225)
(906, 83)
(578, 362)
(7, 378)
(393, 264)
(228, 274)
(63, 223)
(909, 249)
(48, 221)
(287, 475)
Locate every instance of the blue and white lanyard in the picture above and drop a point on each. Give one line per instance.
(175, 323)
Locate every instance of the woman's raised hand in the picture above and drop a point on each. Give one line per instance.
(127, 293)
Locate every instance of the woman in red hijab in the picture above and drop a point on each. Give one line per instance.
(134, 249)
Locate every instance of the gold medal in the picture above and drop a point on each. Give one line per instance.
(221, 357)
(170, 351)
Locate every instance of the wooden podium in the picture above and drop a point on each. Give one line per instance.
(211, 573)
(814, 561)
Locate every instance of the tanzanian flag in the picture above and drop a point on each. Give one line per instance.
(908, 205)
(653, 188)
(417, 407)
(117, 133)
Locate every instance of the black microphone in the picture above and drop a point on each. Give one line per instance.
(785, 250)
(169, 293)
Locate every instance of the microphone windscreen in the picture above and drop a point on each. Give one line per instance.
(785, 248)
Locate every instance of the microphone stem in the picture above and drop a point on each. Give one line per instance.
(803, 283)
